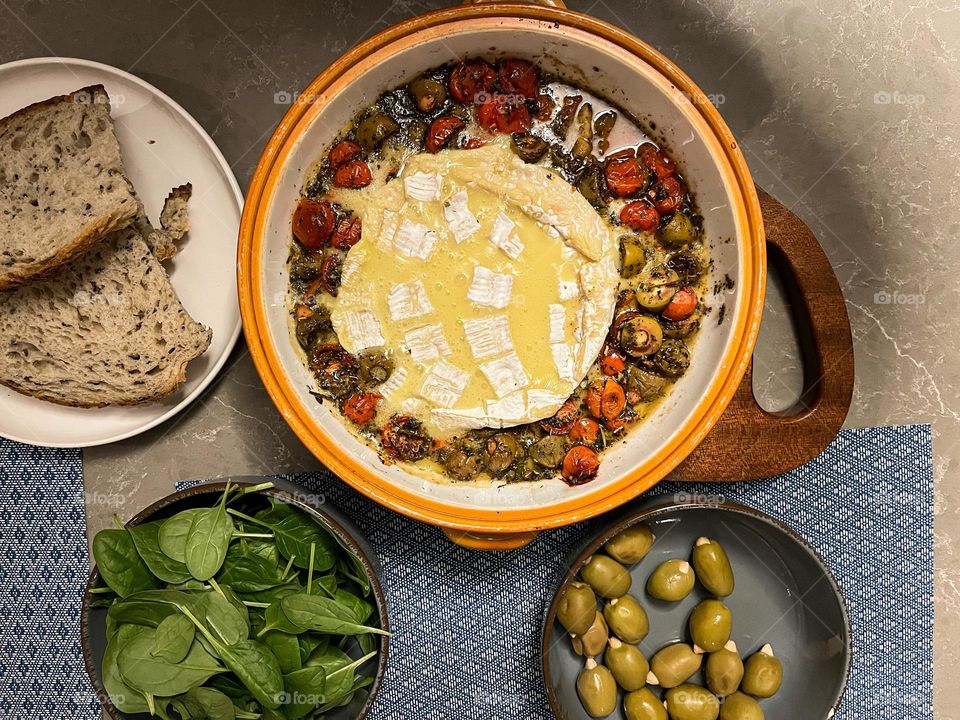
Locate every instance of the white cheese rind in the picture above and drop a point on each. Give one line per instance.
(505, 374)
(568, 289)
(393, 383)
(488, 336)
(503, 236)
(414, 240)
(563, 360)
(422, 186)
(443, 384)
(426, 343)
(408, 300)
(489, 288)
(364, 329)
(463, 224)
(558, 322)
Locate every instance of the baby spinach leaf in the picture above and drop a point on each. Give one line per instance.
(257, 668)
(146, 673)
(251, 571)
(120, 566)
(207, 541)
(325, 615)
(305, 690)
(206, 703)
(331, 658)
(361, 609)
(311, 643)
(123, 697)
(140, 612)
(146, 538)
(286, 649)
(173, 638)
(351, 567)
(342, 683)
(173, 533)
(276, 619)
(223, 619)
(273, 594)
(293, 533)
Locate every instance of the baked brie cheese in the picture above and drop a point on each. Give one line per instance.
(491, 282)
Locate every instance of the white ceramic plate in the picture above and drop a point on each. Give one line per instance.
(162, 147)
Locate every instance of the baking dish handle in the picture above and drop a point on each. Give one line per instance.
(489, 541)
(749, 443)
(548, 3)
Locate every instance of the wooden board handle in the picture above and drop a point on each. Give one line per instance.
(749, 443)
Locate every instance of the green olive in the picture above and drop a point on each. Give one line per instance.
(762, 674)
(687, 265)
(428, 94)
(594, 640)
(630, 545)
(503, 451)
(713, 567)
(647, 385)
(692, 702)
(606, 576)
(673, 665)
(583, 145)
(528, 147)
(591, 185)
(633, 255)
(374, 129)
(628, 665)
(602, 125)
(577, 608)
(597, 689)
(375, 368)
(724, 670)
(710, 624)
(672, 580)
(656, 287)
(549, 450)
(678, 230)
(740, 707)
(672, 359)
(643, 704)
(627, 619)
(640, 336)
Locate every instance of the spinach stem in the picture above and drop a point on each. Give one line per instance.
(216, 587)
(313, 550)
(252, 604)
(287, 568)
(269, 536)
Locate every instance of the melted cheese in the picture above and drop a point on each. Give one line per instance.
(492, 284)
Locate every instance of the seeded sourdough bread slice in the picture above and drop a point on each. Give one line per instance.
(62, 184)
(108, 329)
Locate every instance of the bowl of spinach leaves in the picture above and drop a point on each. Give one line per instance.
(235, 600)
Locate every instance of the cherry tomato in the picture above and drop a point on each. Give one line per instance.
(313, 223)
(302, 312)
(347, 233)
(545, 105)
(487, 114)
(615, 425)
(624, 176)
(473, 143)
(605, 399)
(640, 216)
(330, 271)
(470, 79)
(360, 408)
(513, 119)
(682, 305)
(667, 195)
(585, 431)
(353, 174)
(580, 465)
(404, 437)
(343, 152)
(441, 130)
(562, 421)
(518, 77)
(612, 363)
(654, 160)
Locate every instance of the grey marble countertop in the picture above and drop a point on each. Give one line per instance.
(847, 112)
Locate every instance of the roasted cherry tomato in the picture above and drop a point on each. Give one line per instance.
(336, 370)
(343, 152)
(330, 271)
(487, 114)
(612, 363)
(585, 431)
(313, 223)
(624, 176)
(562, 421)
(615, 425)
(682, 304)
(654, 160)
(639, 215)
(471, 79)
(473, 143)
(518, 77)
(545, 105)
(360, 408)
(404, 438)
(352, 174)
(605, 399)
(580, 465)
(513, 119)
(667, 195)
(347, 233)
(441, 130)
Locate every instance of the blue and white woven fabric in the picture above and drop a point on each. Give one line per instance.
(467, 624)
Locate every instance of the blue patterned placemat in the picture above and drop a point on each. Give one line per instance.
(467, 624)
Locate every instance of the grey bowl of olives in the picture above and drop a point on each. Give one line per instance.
(696, 611)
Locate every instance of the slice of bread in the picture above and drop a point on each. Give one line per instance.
(106, 330)
(62, 184)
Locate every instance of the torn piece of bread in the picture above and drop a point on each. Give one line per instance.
(62, 184)
(107, 330)
(174, 221)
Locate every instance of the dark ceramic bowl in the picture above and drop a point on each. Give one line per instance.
(784, 596)
(93, 619)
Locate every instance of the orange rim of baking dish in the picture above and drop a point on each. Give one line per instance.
(290, 403)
